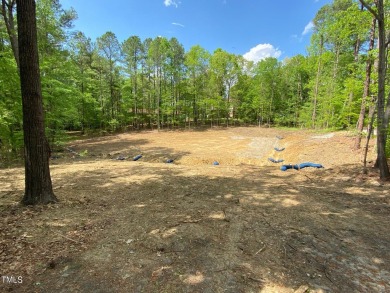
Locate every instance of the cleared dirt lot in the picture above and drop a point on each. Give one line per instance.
(191, 226)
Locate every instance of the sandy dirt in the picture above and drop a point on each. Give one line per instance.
(191, 226)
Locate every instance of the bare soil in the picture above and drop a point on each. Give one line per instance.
(191, 226)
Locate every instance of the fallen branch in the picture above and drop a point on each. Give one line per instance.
(327, 276)
(292, 247)
(63, 236)
(261, 249)
(257, 280)
(190, 221)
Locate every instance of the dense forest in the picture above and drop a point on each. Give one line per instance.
(106, 85)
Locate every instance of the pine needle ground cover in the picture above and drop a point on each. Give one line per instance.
(191, 226)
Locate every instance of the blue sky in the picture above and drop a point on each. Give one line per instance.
(252, 28)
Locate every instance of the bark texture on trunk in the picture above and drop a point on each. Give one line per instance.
(382, 126)
(38, 185)
(379, 14)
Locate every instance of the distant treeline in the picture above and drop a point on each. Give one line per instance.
(154, 83)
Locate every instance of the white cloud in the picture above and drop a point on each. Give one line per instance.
(171, 2)
(308, 28)
(262, 51)
(178, 24)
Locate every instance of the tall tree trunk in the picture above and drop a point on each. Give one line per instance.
(387, 114)
(332, 89)
(135, 89)
(228, 104)
(112, 94)
(379, 14)
(101, 98)
(38, 186)
(82, 102)
(194, 106)
(371, 114)
(382, 126)
(172, 92)
(366, 90)
(159, 99)
(387, 106)
(317, 84)
(299, 101)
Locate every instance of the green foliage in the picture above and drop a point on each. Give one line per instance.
(11, 138)
(108, 85)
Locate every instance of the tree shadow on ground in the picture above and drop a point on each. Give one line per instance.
(118, 149)
(165, 228)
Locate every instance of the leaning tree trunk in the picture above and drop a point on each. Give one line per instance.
(38, 186)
